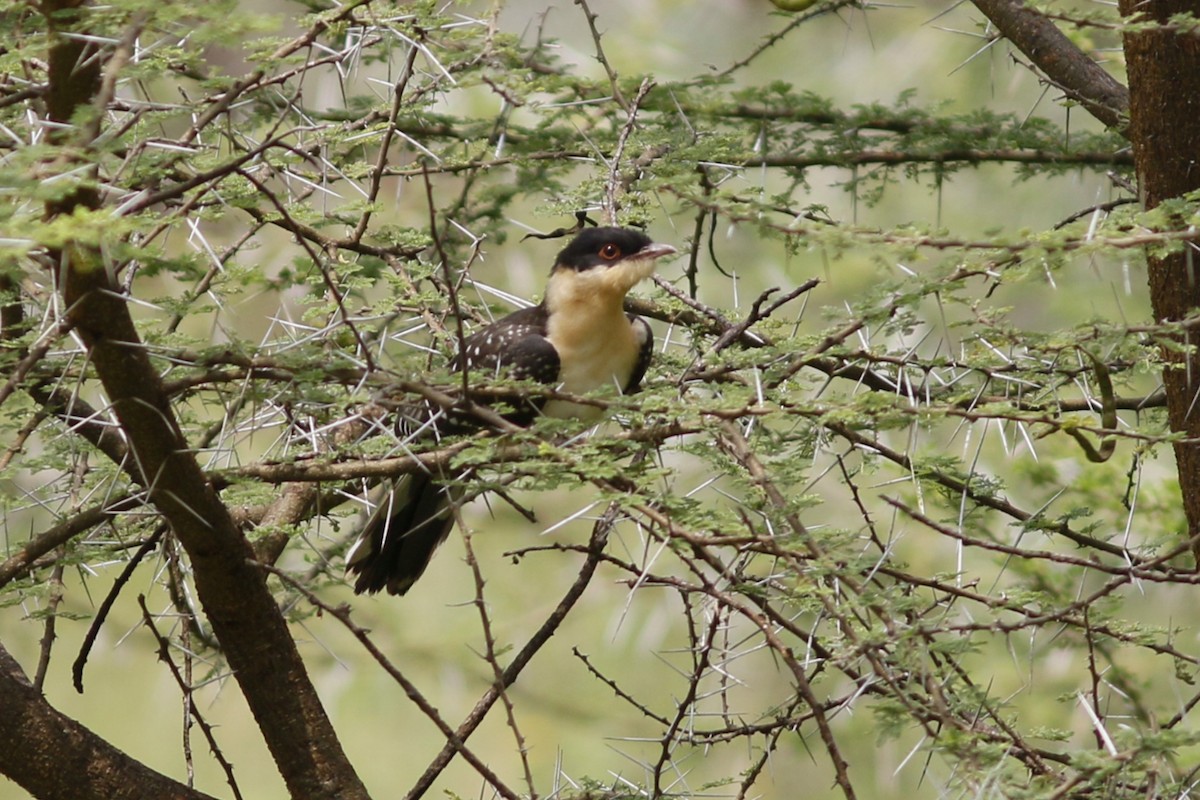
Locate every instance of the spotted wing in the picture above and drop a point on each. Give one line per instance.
(513, 347)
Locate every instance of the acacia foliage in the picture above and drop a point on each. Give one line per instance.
(877, 517)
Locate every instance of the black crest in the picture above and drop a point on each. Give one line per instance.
(594, 247)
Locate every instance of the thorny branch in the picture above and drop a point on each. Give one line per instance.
(1035, 35)
(763, 419)
(186, 689)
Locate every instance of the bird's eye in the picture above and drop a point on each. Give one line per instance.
(610, 252)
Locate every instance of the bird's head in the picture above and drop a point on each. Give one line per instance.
(605, 261)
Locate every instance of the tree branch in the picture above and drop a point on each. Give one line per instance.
(253, 634)
(1063, 63)
(52, 756)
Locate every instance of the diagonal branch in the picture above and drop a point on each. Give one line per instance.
(1063, 63)
(80, 764)
(253, 634)
(245, 618)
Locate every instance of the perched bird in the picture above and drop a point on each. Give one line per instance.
(578, 339)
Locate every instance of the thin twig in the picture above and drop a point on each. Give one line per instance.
(455, 742)
(492, 658)
(795, 22)
(595, 552)
(190, 710)
(389, 133)
(615, 185)
(608, 70)
(48, 627)
(89, 639)
(321, 265)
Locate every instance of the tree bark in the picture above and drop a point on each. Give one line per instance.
(245, 618)
(1040, 40)
(52, 756)
(1164, 82)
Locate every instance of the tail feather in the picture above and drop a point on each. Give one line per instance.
(401, 535)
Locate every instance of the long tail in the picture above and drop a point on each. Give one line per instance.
(399, 538)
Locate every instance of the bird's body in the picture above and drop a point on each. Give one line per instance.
(578, 339)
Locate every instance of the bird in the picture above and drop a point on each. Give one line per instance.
(577, 339)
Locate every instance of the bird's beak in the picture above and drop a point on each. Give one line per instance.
(654, 250)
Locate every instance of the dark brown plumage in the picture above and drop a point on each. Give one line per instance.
(578, 338)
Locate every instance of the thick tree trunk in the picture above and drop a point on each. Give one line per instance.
(244, 616)
(1164, 83)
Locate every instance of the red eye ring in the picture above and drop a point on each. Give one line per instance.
(610, 252)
